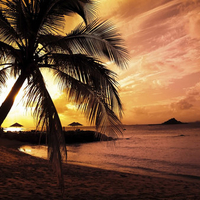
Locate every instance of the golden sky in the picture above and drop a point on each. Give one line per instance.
(163, 77)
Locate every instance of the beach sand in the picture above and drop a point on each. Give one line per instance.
(25, 177)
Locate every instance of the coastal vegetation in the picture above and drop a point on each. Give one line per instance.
(41, 138)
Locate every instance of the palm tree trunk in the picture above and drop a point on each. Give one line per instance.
(8, 102)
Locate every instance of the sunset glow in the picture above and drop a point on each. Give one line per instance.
(13, 129)
(163, 77)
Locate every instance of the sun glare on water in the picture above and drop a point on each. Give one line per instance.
(13, 129)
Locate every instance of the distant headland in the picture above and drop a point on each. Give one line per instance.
(172, 121)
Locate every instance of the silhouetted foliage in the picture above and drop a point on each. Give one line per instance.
(71, 137)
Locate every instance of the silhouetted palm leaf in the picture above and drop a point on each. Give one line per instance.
(99, 38)
(3, 77)
(93, 87)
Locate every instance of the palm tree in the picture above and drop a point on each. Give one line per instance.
(32, 39)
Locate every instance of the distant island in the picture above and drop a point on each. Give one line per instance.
(172, 121)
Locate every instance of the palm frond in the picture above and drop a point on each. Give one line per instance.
(47, 117)
(3, 76)
(7, 33)
(91, 72)
(20, 16)
(8, 53)
(51, 14)
(98, 39)
(52, 44)
(94, 88)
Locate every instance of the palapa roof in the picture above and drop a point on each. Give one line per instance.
(75, 124)
(16, 125)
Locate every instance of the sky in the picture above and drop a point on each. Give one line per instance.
(162, 80)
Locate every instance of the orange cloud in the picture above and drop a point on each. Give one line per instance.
(183, 104)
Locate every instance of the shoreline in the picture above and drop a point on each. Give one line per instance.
(26, 177)
(135, 171)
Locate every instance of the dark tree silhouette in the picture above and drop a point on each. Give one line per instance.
(32, 39)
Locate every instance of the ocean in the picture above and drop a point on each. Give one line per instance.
(154, 150)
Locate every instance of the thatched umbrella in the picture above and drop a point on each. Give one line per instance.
(16, 125)
(74, 124)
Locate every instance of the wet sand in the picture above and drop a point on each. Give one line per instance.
(25, 177)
